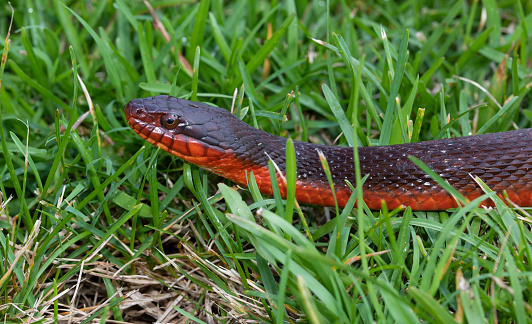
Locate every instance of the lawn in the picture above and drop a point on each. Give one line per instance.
(98, 225)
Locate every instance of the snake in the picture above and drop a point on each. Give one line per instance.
(216, 140)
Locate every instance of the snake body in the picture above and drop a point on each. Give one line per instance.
(215, 140)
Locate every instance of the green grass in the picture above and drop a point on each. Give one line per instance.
(98, 225)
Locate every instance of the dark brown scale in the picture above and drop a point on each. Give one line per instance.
(502, 160)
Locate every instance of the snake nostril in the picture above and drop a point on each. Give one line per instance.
(141, 113)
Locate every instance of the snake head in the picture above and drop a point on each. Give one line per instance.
(184, 128)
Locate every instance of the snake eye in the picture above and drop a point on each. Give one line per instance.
(169, 121)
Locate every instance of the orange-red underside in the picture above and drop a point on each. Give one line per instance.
(228, 166)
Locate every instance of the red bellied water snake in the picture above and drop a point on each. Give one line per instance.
(215, 140)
